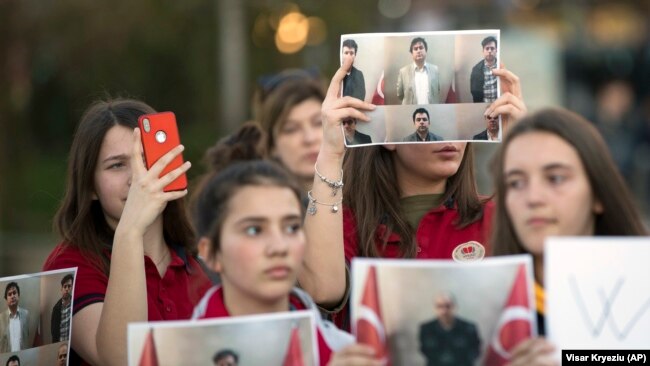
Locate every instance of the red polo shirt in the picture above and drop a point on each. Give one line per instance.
(171, 297)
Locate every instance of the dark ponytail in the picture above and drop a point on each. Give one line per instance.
(247, 143)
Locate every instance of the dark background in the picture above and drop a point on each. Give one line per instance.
(203, 59)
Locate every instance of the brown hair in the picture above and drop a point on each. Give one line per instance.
(619, 216)
(278, 105)
(80, 220)
(236, 162)
(373, 195)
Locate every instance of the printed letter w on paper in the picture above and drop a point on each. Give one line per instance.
(607, 315)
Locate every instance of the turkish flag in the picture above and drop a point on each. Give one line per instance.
(148, 356)
(451, 94)
(378, 96)
(293, 357)
(515, 323)
(38, 338)
(370, 326)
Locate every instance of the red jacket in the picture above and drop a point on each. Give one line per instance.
(436, 238)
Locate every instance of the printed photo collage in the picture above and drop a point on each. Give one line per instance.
(428, 86)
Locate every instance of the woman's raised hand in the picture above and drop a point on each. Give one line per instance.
(336, 109)
(146, 199)
(510, 105)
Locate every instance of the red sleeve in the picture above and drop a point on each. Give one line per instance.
(90, 283)
(350, 238)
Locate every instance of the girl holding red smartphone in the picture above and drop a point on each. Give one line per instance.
(131, 241)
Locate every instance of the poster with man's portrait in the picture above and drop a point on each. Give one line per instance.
(270, 339)
(441, 312)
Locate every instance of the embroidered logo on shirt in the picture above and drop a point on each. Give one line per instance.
(468, 252)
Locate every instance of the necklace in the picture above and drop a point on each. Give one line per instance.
(163, 257)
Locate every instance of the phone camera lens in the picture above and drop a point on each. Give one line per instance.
(161, 136)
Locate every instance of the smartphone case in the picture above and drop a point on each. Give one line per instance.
(163, 124)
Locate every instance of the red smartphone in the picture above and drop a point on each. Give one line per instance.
(159, 134)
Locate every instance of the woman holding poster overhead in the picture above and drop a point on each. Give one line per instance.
(554, 176)
(131, 241)
(401, 201)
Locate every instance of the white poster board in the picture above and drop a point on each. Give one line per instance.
(598, 292)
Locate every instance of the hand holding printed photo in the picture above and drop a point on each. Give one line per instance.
(430, 86)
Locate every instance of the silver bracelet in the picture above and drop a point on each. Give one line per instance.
(312, 205)
(332, 184)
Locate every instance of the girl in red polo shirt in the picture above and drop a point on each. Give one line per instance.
(132, 242)
(256, 241)
(401, 201)
(554, 176)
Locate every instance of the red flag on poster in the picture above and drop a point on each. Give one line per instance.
(451, 94)
(370, 326)
(293, 357)
(515, 322)
(378, 96)
(148, 356)
(38, 338)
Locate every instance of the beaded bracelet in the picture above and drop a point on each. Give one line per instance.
(332, 184)
(312, 205)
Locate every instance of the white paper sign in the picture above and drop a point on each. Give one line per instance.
(598, 292)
